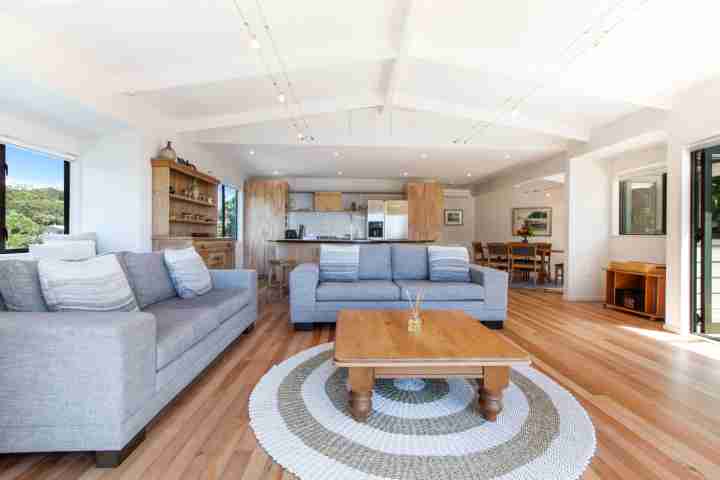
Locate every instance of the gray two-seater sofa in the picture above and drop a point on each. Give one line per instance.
(387, 272)
(92, 381)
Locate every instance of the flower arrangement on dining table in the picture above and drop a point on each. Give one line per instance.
(525, 231)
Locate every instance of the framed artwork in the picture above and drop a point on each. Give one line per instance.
(453, 216)
(537, 219)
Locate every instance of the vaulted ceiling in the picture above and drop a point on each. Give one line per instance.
(380, 88)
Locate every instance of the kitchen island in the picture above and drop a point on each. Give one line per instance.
(308, 250)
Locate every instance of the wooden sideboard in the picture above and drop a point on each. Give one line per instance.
(185, 213)
(646, 280)
(426, 201)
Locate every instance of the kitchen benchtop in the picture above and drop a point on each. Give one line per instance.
(339, 240)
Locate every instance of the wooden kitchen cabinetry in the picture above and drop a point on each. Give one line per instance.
(328, 201)
(425, 207)
(185, 213)
(265, 209)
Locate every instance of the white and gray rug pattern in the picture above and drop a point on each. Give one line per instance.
(419, 429)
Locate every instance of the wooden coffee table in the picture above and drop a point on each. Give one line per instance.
(376, 344)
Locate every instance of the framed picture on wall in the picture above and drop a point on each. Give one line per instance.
(453, 216)
(537, 219)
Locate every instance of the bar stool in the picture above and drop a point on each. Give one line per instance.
(278, 272)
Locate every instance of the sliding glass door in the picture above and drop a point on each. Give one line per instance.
(706, 236)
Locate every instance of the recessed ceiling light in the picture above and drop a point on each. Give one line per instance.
(548, 195)
(340, 172)
(336, 154)
(252, 152)
(405, 174)
(275, 172)
(423, 155)
(254, 43)
(507, 155)
(281, 97)
(468, 174)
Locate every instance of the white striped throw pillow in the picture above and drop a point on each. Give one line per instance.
(94, 285)
(449, 264)
(339, 263)
(188, 272)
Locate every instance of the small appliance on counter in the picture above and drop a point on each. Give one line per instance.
(301, 231)
(291, 234)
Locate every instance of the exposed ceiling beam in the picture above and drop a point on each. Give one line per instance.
(309, 108)
(405, 25)
(544, 126)
(214, 70)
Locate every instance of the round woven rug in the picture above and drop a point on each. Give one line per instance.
(419, 428)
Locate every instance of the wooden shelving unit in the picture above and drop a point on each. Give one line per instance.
(647, 278)
(189, 215)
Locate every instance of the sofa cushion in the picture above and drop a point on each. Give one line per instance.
(20, 286)
(442, 291)
(339, 263)
(409, 262)
(149, 277)
(188, 272)
(375, 262)
(362, 290)
(98, 284)
(449, 264)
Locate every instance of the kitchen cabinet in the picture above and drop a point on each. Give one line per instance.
(328, 201)
(265, 209)
(425, 210)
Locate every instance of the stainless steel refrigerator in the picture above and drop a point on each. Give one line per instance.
(396, 220)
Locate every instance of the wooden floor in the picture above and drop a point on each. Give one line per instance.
(654, 398)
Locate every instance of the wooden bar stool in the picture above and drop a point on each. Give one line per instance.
(278, 272)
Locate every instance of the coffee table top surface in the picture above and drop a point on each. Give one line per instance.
(448, 337)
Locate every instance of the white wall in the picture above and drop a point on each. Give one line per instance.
(588, 200)
(461, 234)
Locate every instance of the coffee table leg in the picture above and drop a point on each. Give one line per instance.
(495, 380)
(361, 386)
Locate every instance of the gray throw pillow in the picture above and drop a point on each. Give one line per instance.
(149, 278)
(20, 286)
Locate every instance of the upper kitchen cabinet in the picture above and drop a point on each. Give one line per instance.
(425, 207)
(265, 208)
(328, 201)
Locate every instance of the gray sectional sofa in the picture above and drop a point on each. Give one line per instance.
(93, 381)
(386, 272)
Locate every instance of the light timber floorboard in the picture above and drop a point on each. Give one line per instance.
(653, 396)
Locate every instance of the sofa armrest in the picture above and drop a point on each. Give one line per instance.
(239, 278)
(304, 281)
(73, 369)
(495, 283)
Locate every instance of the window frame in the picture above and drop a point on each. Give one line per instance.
(621, 209)
(4, 174)
(221, 215)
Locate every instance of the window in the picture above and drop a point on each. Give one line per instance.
(642, 204)
(227, 211)
(34, 197)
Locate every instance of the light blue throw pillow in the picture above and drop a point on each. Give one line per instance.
(339, 263)
(449, 264)
(188, 272)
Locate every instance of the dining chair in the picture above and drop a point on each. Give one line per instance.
(544, 251)
(498, 256)
(524, 258)
(478, 254)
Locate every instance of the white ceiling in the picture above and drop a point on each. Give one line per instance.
(387, 84)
